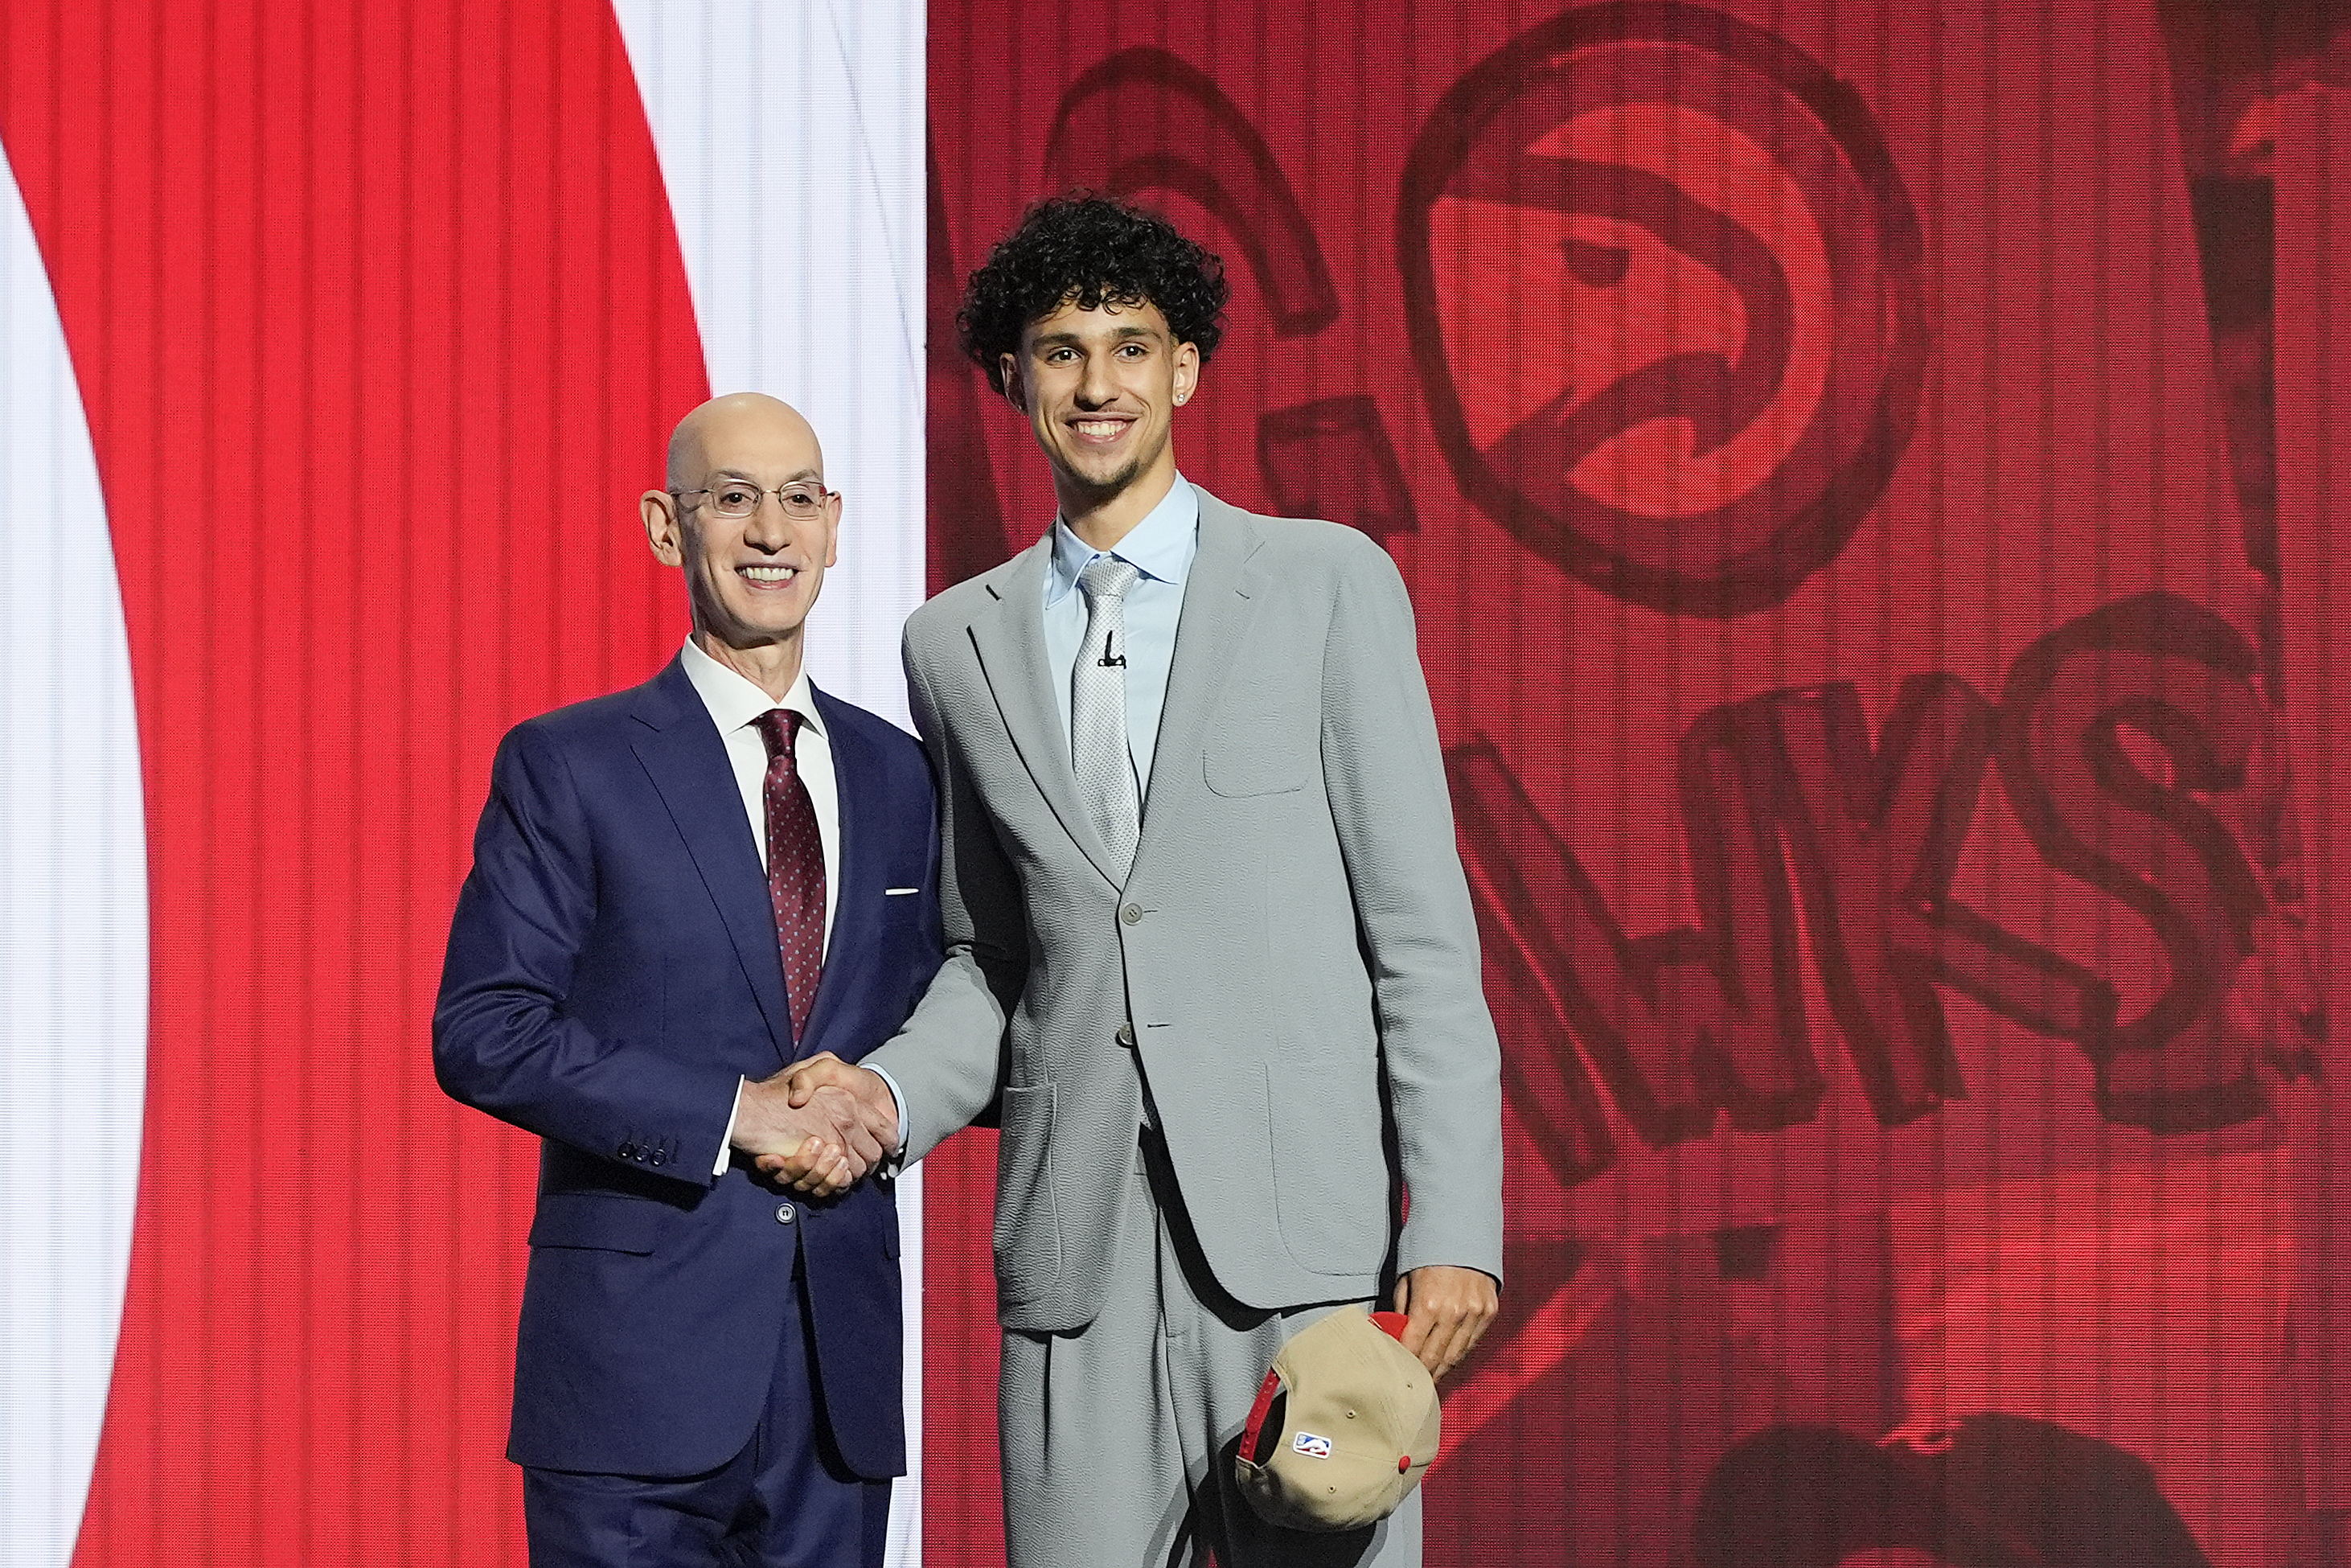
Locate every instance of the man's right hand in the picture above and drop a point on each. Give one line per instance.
(816, 1142)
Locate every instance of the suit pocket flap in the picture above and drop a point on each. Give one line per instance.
(606, 1221)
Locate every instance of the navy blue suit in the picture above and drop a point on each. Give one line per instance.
(612, 972)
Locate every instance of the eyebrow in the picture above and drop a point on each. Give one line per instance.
(1055, 340)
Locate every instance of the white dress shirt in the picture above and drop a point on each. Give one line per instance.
(736, 703)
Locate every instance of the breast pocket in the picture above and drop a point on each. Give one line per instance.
(1268, 755)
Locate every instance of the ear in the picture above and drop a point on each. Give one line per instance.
(1007, 370)
(832, 529)
(664, 530)
(1187, 370)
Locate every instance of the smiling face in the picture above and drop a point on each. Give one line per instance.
(1100, 388)
(751, 579)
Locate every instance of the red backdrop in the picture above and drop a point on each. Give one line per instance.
(1832, 450)
(329, 275)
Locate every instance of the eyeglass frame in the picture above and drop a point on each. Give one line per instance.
(824, 497)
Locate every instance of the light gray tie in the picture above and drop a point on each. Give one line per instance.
(1098, 749)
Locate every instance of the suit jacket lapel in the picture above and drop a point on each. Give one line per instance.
(857, 784)
(683, 755)
(1010, 637)
(1221, 598)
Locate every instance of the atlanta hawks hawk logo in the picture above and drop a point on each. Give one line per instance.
(1664, 294)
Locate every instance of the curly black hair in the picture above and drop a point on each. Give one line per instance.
(1095, 249)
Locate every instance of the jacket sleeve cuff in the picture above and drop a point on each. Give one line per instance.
(897, 1098)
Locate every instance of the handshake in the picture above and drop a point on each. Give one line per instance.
(818, 1126)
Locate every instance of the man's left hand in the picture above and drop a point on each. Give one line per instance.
(1446, 1311)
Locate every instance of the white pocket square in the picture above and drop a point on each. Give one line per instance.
(896, 891)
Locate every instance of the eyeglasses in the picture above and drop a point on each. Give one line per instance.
(801, 499)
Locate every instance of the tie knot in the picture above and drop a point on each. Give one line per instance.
(1106, 576)
(778, 726)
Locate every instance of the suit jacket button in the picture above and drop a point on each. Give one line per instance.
(1131, 914)
(627, 1151)
(784, 1214)
(1126, 1035)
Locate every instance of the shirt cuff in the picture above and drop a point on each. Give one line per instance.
(727, 1143)
(897, 1098)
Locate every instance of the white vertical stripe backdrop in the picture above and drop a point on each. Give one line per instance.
(790, 137)
(73, 926)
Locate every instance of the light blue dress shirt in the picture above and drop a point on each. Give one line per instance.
(1161, 547)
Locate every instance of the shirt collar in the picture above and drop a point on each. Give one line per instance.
(735, 700)
(1161, 545)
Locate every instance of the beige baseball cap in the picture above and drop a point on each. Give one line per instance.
(1344, 1425)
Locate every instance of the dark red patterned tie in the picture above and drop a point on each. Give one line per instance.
(795, 866)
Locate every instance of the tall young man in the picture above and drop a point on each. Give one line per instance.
(1209, 944)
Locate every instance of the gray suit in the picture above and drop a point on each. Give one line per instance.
(1293, 962)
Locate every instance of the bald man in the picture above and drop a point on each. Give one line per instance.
(677, 890)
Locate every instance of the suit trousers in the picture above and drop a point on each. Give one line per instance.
(1119, 1438)
(784, 1501)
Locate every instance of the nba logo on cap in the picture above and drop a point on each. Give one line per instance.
(1344, 1424)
